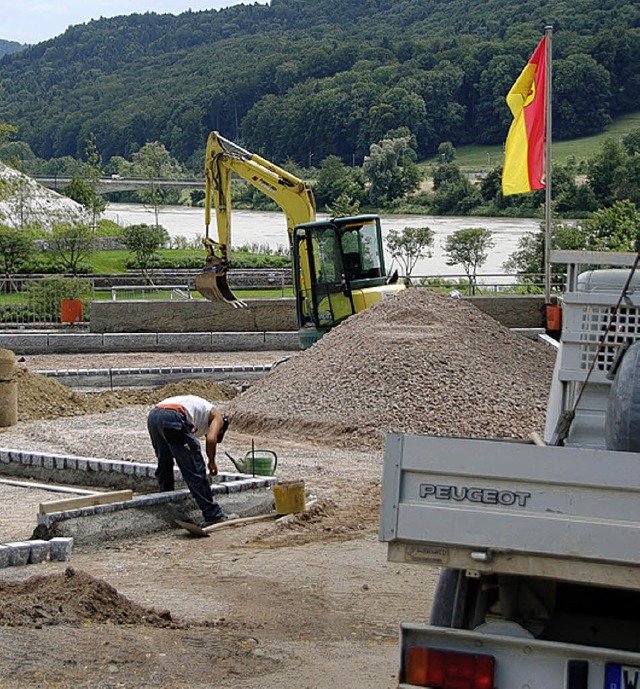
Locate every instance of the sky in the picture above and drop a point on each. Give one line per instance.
(32, 21)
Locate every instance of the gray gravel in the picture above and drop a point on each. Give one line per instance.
(421, 362)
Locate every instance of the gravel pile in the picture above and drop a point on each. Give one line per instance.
(27, 203)
(421, 362)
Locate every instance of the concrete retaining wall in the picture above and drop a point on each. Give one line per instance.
(270, 315)
(517, 311)
(193, 316)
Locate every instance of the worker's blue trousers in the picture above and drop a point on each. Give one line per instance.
(172, 438)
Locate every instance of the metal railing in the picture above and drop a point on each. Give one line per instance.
(182, 292)
(45, 301)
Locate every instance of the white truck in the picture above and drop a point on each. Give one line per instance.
(538, 543)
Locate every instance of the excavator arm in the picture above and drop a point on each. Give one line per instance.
(294, 196)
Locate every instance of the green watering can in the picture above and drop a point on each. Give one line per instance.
(256, 462)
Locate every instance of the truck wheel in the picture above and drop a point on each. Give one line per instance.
(455, 600)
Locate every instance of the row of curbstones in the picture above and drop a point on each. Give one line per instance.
(20, 553)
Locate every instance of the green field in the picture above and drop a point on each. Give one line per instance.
(479, 157)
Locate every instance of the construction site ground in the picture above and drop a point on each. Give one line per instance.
(308, 604)
(312, 604)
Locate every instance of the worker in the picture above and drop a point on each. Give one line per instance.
(175, 426)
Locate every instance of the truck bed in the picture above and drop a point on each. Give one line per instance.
(512, 507)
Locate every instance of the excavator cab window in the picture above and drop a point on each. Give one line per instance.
(361, 249)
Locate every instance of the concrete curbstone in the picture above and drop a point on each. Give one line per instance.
(5, 556)
(19, 552)
(184, 342)
(60, 549)
(129, 342)
(62, 343)
(40, 551)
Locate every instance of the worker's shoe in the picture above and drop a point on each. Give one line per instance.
(220, 519)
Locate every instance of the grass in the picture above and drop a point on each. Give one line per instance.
(478, 157)
(149, 295)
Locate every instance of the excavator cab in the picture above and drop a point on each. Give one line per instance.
(339, 266)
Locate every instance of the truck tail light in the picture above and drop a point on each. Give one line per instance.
(429, 667)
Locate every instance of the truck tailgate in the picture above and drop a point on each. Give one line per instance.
(526, 662)
(500, 506)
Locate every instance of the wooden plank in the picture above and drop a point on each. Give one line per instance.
(85, 501)
(200, 531)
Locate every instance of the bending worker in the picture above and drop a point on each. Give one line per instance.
(175, 426)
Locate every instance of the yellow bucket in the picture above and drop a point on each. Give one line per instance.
(289, 496)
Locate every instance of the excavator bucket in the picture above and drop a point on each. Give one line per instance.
(213, 286)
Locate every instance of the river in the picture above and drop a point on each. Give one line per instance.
(269, 227)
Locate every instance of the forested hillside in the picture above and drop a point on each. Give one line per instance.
(302, 79)
(7, 47)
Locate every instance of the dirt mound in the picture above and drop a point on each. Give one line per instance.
(42, 397)
(327, 520)
(421, 362)
(71, 598)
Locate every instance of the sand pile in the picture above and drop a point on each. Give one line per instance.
(71, 598)
(421, 362)
(41, 397)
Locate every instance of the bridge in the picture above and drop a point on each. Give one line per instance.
(114, 183)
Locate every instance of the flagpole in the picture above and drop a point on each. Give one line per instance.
(548, 30)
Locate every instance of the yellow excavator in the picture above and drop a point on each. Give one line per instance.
(338, 264)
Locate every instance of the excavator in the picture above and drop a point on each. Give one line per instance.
(338, 264)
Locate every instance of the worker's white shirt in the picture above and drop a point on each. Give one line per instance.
(197, 408)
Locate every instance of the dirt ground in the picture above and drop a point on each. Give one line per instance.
(312, 604)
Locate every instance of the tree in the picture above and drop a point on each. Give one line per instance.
(453, 193)
(614, 229)
(577, 117)
(16, 248)
(336, 179)
(446, 152)
(391, 170)
(144, 241)
(83, 188)
(410, 245)
(602, 169)
(71, 244)
(7, 131)
(153, 162)
(631, 142)
(528, 259)
(469, 247)
(344, 206)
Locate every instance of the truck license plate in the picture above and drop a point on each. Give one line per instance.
(622, 676)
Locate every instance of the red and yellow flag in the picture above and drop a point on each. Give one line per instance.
(524, 151)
